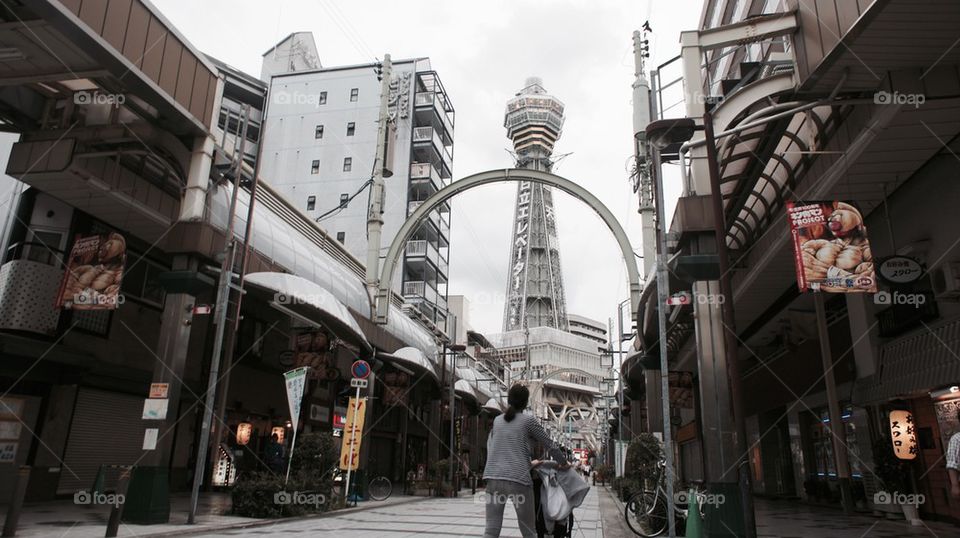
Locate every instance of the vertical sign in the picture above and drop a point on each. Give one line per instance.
(830, 247)
(353, 434)
(295, 379)
(518, 256)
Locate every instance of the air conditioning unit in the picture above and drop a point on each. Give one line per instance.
(945, 280)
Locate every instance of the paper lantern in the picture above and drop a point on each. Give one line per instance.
(903, 434)
(278, 431)
(244, 431)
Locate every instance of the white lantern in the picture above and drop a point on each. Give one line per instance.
(278, 431)
(903, 434)
(244, 431)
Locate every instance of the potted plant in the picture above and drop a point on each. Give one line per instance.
(895, 478)
(441, 473)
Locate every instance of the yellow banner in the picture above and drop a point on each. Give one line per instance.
(353, 434)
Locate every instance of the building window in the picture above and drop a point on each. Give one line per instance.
(351, 128)
(344, 199)
(323, 98)
(354, 93)
(347, 164)
(311, 203)
(318, 132)
(341, 237)
(315, 167)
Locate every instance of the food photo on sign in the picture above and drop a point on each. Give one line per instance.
(831, 249)
(94, 273)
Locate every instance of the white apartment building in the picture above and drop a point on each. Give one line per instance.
(588, 328)
(319, 154)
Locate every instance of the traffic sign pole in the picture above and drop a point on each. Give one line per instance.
(360, 370)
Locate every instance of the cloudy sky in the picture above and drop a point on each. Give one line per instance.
(483, 52)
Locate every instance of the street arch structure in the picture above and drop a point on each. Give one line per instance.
(572, 402)
(515, 175)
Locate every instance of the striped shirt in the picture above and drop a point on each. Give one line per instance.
(510, 448)
(953, 452)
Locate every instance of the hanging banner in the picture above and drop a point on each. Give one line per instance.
(353, 434)
(296, 380)
(94, 272)
(830, 247)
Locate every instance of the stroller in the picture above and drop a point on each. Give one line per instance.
(556, 493)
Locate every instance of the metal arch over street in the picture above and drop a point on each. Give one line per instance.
(382, 300)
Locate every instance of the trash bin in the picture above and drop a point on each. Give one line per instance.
(148, 496)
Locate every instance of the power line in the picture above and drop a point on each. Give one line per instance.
(343, 205)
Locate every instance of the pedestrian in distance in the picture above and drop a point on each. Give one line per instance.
(953, 461)
(509, 458)
(274, 454)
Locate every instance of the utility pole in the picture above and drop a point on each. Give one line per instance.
(223, 296)
(375, 208)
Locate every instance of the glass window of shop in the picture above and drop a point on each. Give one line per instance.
(824, 463)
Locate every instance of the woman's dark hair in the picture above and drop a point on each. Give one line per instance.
(517, 399)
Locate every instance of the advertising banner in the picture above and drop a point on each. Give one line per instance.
(295, 380)
(830, 247)
(353, 434)
(94, 272)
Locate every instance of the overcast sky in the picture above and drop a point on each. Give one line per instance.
(483, 52)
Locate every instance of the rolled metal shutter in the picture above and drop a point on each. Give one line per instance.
(107, 429)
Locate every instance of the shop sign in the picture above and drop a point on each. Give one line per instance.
(830, 247)
(159, 390)
(396, 388)
(353, 434)
(899, 270)
(94, 273)
(903, 434)
(312, 349)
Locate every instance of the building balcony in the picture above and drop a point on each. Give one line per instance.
(414, 290)
(421, 249)
(425, 179)
(429, 147)
(28, 291)
(436, 217)
(430, 109)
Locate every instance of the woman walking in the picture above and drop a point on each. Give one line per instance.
(509, 454)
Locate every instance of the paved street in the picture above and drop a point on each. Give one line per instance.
(458, 517)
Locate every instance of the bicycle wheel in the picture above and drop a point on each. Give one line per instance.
(380, 488)
(646, 514)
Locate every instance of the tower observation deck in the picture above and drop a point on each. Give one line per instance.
(535, 296)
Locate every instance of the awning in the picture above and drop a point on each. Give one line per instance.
(465, 388)
(493, 405)
(413, 360)
(299, 297)
(913, 365)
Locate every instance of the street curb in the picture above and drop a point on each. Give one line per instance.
(267, 522)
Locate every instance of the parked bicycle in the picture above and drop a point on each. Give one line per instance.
(379, 488)
(646, 510)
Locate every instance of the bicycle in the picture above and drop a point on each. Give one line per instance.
(646, 510)
(379, 488)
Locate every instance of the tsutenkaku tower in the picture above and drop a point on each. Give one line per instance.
(535, 286)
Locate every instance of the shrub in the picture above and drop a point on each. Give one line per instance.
(263, 494)
(643, 454)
